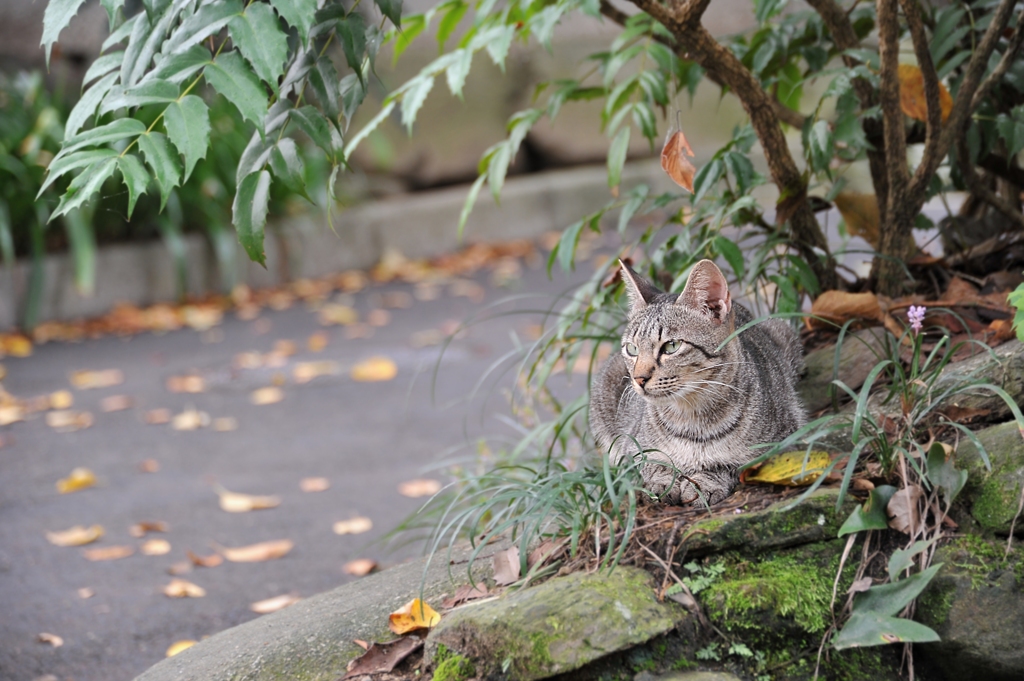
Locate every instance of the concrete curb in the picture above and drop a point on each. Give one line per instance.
(418, 225)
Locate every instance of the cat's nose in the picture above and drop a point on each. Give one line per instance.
(641, 380)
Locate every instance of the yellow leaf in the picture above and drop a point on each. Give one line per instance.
(304, 372)
(317, 341)
(15, 345)
(374, 369)
(314, 484)
(186, 384)
(268, 395)
(274, 604)
(75, 536)
(257, 553)
(67, 420)
(62, 399)
(419, 488)
(413, 616)
(155, 547)
(234, 502)
(860, 212)
(11, 413)
(225, 424)
(115, 403)
(87, 380)
(53, 639)
(790, 469)
(359, 567)
(180, 588)
(190, 419)
(912, 99)
(334, 314)
(353, 525)
(80, 478)
(178, 646)
(108, 552)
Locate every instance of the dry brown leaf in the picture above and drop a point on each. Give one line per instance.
(87, 380)
(180, 588)
(179, 646)
(210, 561)
(268, 395)
(314, 484)
(840, 306)
(674, 160)
(68, 421)
(506, 566)
(201, 317)
(61, 399)
(15, 345)
(378, 318)
(115, 403)
(912, 99)
(360, 567)
(285, 348)
(225, 424)
(149, 466)
(862, 485)
(304, 372)
(80, 478)
(101, 553)
(903, 509)
(75, 536)
(374, 369)
(467, 288)
(190, 419)
(156, 417)
(419, 488)
(155, 547)
(862, 584)
(249, 360)
(465, 593)
(186, 384)
(382, 657)
(860, 212)
(181, 567)
(548, 549)
(317, 342)
(358, 331)
(351, 281)
(274, 604)
(140, 529)
(396, 300)
(53, 639)
(361, 643)
(334, 314)
(356, 525)
(85, 592)
(415, 615)
(257, 553)
(235, 502)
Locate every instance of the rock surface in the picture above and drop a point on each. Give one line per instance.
(857, 356)
(994, 495)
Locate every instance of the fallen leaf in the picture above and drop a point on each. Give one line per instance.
(383, 657)
(115, 403)
(61, 399)
(158, 417)
(862, 485)
(101, 553)
(963, 414)
(179, 646)
(396, 300)
(274, 604)
(356, 525)
(378, 318)
(149, 466)
(268, 395)
(186, 384)
(11, 413)
(413, 616)
(210, 561)
(15, 345)
(80, 478)
(257, 553)
(506, 566)
(360, 567)
(155, 547)
(180, 588)
(201, 317)
(426, 338)
(674, 160)
(862, 584)
(374, 369)
(466, 592)
(85, 592)
(235, 502)
(317, 342)
(467, 288)
(904, 514)
(860, 212)
(285, 348)
(53, 639)
(358, 331)
(361, 643)
(181, 567)
(190, 419)
(314, 484)
(351, 281)
(140, 528)
(87, 380)
(304, 372)
(225, 424)
(427, 291)
(67, 420)
(75, 536)
(789, 469)
(333, 314)
(547, 549)
(839, 307)
(419, 488)
(912, 98)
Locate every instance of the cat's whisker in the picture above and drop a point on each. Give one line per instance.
(727, 385)
(716, 366)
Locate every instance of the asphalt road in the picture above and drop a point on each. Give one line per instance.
(364, 437)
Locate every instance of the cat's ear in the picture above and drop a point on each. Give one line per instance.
(707, 291)
(640, 291)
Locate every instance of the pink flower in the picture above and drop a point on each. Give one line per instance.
(915, 315)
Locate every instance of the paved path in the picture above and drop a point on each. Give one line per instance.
(365, 438)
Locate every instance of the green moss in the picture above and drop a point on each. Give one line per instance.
(683, 664)
(934, 604)
(979, 558)
(450, 666)
(996, 503)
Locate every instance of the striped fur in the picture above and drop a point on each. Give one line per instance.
(698, 408)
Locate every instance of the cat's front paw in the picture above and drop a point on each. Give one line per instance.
(700, 489)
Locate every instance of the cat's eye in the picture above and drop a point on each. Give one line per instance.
(631, 349)
(671, 346)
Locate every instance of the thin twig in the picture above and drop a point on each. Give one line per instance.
(1013, 523)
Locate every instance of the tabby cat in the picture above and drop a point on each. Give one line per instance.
(675, 395)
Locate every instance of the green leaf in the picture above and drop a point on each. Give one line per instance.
(86, 106)
(414, 25)
(889, 599)
(497, 168)
(65, 164)
(6, 239)
(872, 515)
(258, 37)
(369, 127)
(164, 162)
(85, 186)
(210, 19)
(115, 131)
(152, 92)
(567, 245)
(821, 145)
(298, 14)
(901, 559)
(706, 178)
(316, 127)
(467, 207)
(353, 92)
(120, 33)
(177, 67)
(135, 177)
(249, 213)
(413, 99)
(352, 32)
(740, 167)
(143, 45)
(188, 126)
(617, 156)
(498, 47)
(111, 7)
(82, 242)
(766, 9)
(392, 9)
(458, 70)
(286, 162)
(732, 254)
(103, 65)
(324, 81)
(230, 76)
(254, 157)
(1012, 130)
(450, 22)
(57, 16)
(943, 473)
(637, 196)
(871, 629)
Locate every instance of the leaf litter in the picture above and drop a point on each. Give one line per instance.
(78, 535)
(314, 484)
(383, 657)
(89, 380)
(414, 616)
(423, 487)
(274, 604)
(360, 567)
(179, 646)
(181, 588)
(257, 553)
(104, 553)
(80, 478)
(356, 525)
(235, 502)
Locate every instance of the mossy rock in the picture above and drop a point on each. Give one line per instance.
(993, 496)
(858, 356)
(976, 605)
(813, 520)
(558, 626)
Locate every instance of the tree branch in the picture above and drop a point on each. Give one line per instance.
(892, 114)
(1004, 63)
(933, 122)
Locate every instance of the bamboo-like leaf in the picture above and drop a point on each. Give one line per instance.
(258, 37)
(413, 99)
(497, 168)
(103, 65)
(152, 92)
(121, 33)
(86, 106)
(209, 20)
(298, 14)
(467, 207)
(160, 157)
(458, 70)
(85, 186)
(230, 76)
(57, 16)
(135, 176)
(414, 25)
(78, 159)
(353, 92)
(369, 127)
(249, 213)
(499, 46)
(137, 58)
(188, 126)
(617, 156)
